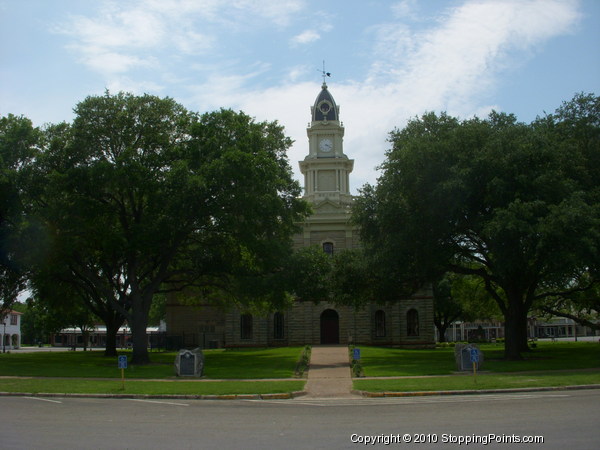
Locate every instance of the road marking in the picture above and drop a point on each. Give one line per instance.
(323, 402)
(43, 399)
(158, 402)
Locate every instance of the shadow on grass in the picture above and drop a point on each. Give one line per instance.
(234, 364)
(387, 362)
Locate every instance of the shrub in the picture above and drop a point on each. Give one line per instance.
(303, 362)
(355, 365)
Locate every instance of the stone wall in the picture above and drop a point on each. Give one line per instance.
(195, 326)
(302, 325)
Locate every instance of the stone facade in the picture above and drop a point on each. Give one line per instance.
(326, 169)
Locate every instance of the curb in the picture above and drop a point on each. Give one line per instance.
(274, 396)
(295, 394)
(474, 392)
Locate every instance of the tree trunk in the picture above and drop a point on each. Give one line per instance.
(511, 338)
(523, 341)
(86, 336)
(112, 328)
(442, 327)
(138, 324)
(515, 328)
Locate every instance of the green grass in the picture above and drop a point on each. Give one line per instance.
(550, 364)
(483, 381)
(546, 356)
(387, 362)
(390, 362)
(219, 364)
(252, 363)
(86, 386)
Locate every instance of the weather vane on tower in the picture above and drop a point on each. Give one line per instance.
(323, 73)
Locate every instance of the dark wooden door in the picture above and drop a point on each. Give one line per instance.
(330, 327)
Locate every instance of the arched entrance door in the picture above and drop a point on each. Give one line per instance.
(330, 327)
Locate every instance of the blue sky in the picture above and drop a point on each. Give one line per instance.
(389, 60)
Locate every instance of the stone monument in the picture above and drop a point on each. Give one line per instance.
(464, 360)
(190, 363)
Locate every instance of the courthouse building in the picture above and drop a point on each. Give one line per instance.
(326, 169)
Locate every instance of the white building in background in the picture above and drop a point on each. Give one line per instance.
(73, 337)
(10, 330)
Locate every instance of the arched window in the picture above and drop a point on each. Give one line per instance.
(328, 248)
(380, 323)
(246, 326)
(278, 322)
(412, 322)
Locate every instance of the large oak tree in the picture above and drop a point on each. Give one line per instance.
(141, 196)
(514, 204)
(18, 139)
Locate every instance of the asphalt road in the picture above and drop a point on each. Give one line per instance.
(565, 419)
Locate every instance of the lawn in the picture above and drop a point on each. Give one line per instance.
(177, 387)
(481, 381)
(549, 364)
(388, 362)
(219, 364)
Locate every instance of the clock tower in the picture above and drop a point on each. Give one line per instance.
(326, 168)
(407, 322)
(326, 171)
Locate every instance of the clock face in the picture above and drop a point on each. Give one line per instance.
(326, 145)
(324, 106)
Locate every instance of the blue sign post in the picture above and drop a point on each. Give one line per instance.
(122, 363)
(356, 354)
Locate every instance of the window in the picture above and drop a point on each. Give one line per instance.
(412, 322)
(246, 326)
(380, 323)
(207, 327)
(278, 322)
(13, 319)
(328, 247)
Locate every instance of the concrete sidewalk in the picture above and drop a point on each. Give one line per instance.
(329, 373)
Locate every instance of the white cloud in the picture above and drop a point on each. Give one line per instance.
(404, 8)
(280, 12)
(111, 62)
(116, 28)
(306, 37)
(138, 87)
(193, 43)
(296, 73)
(106, 41)
(449, 66)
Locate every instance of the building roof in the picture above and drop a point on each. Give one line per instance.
(324, 107)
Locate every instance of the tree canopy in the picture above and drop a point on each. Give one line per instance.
(139, 196)
(18, 139)
(514, 204)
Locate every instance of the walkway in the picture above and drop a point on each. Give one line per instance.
(329, 374)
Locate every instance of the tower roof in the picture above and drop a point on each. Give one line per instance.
(325, 107)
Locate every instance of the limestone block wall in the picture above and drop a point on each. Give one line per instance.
(302, 325)
(260, 330)
(424, 308)
(201, 325)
